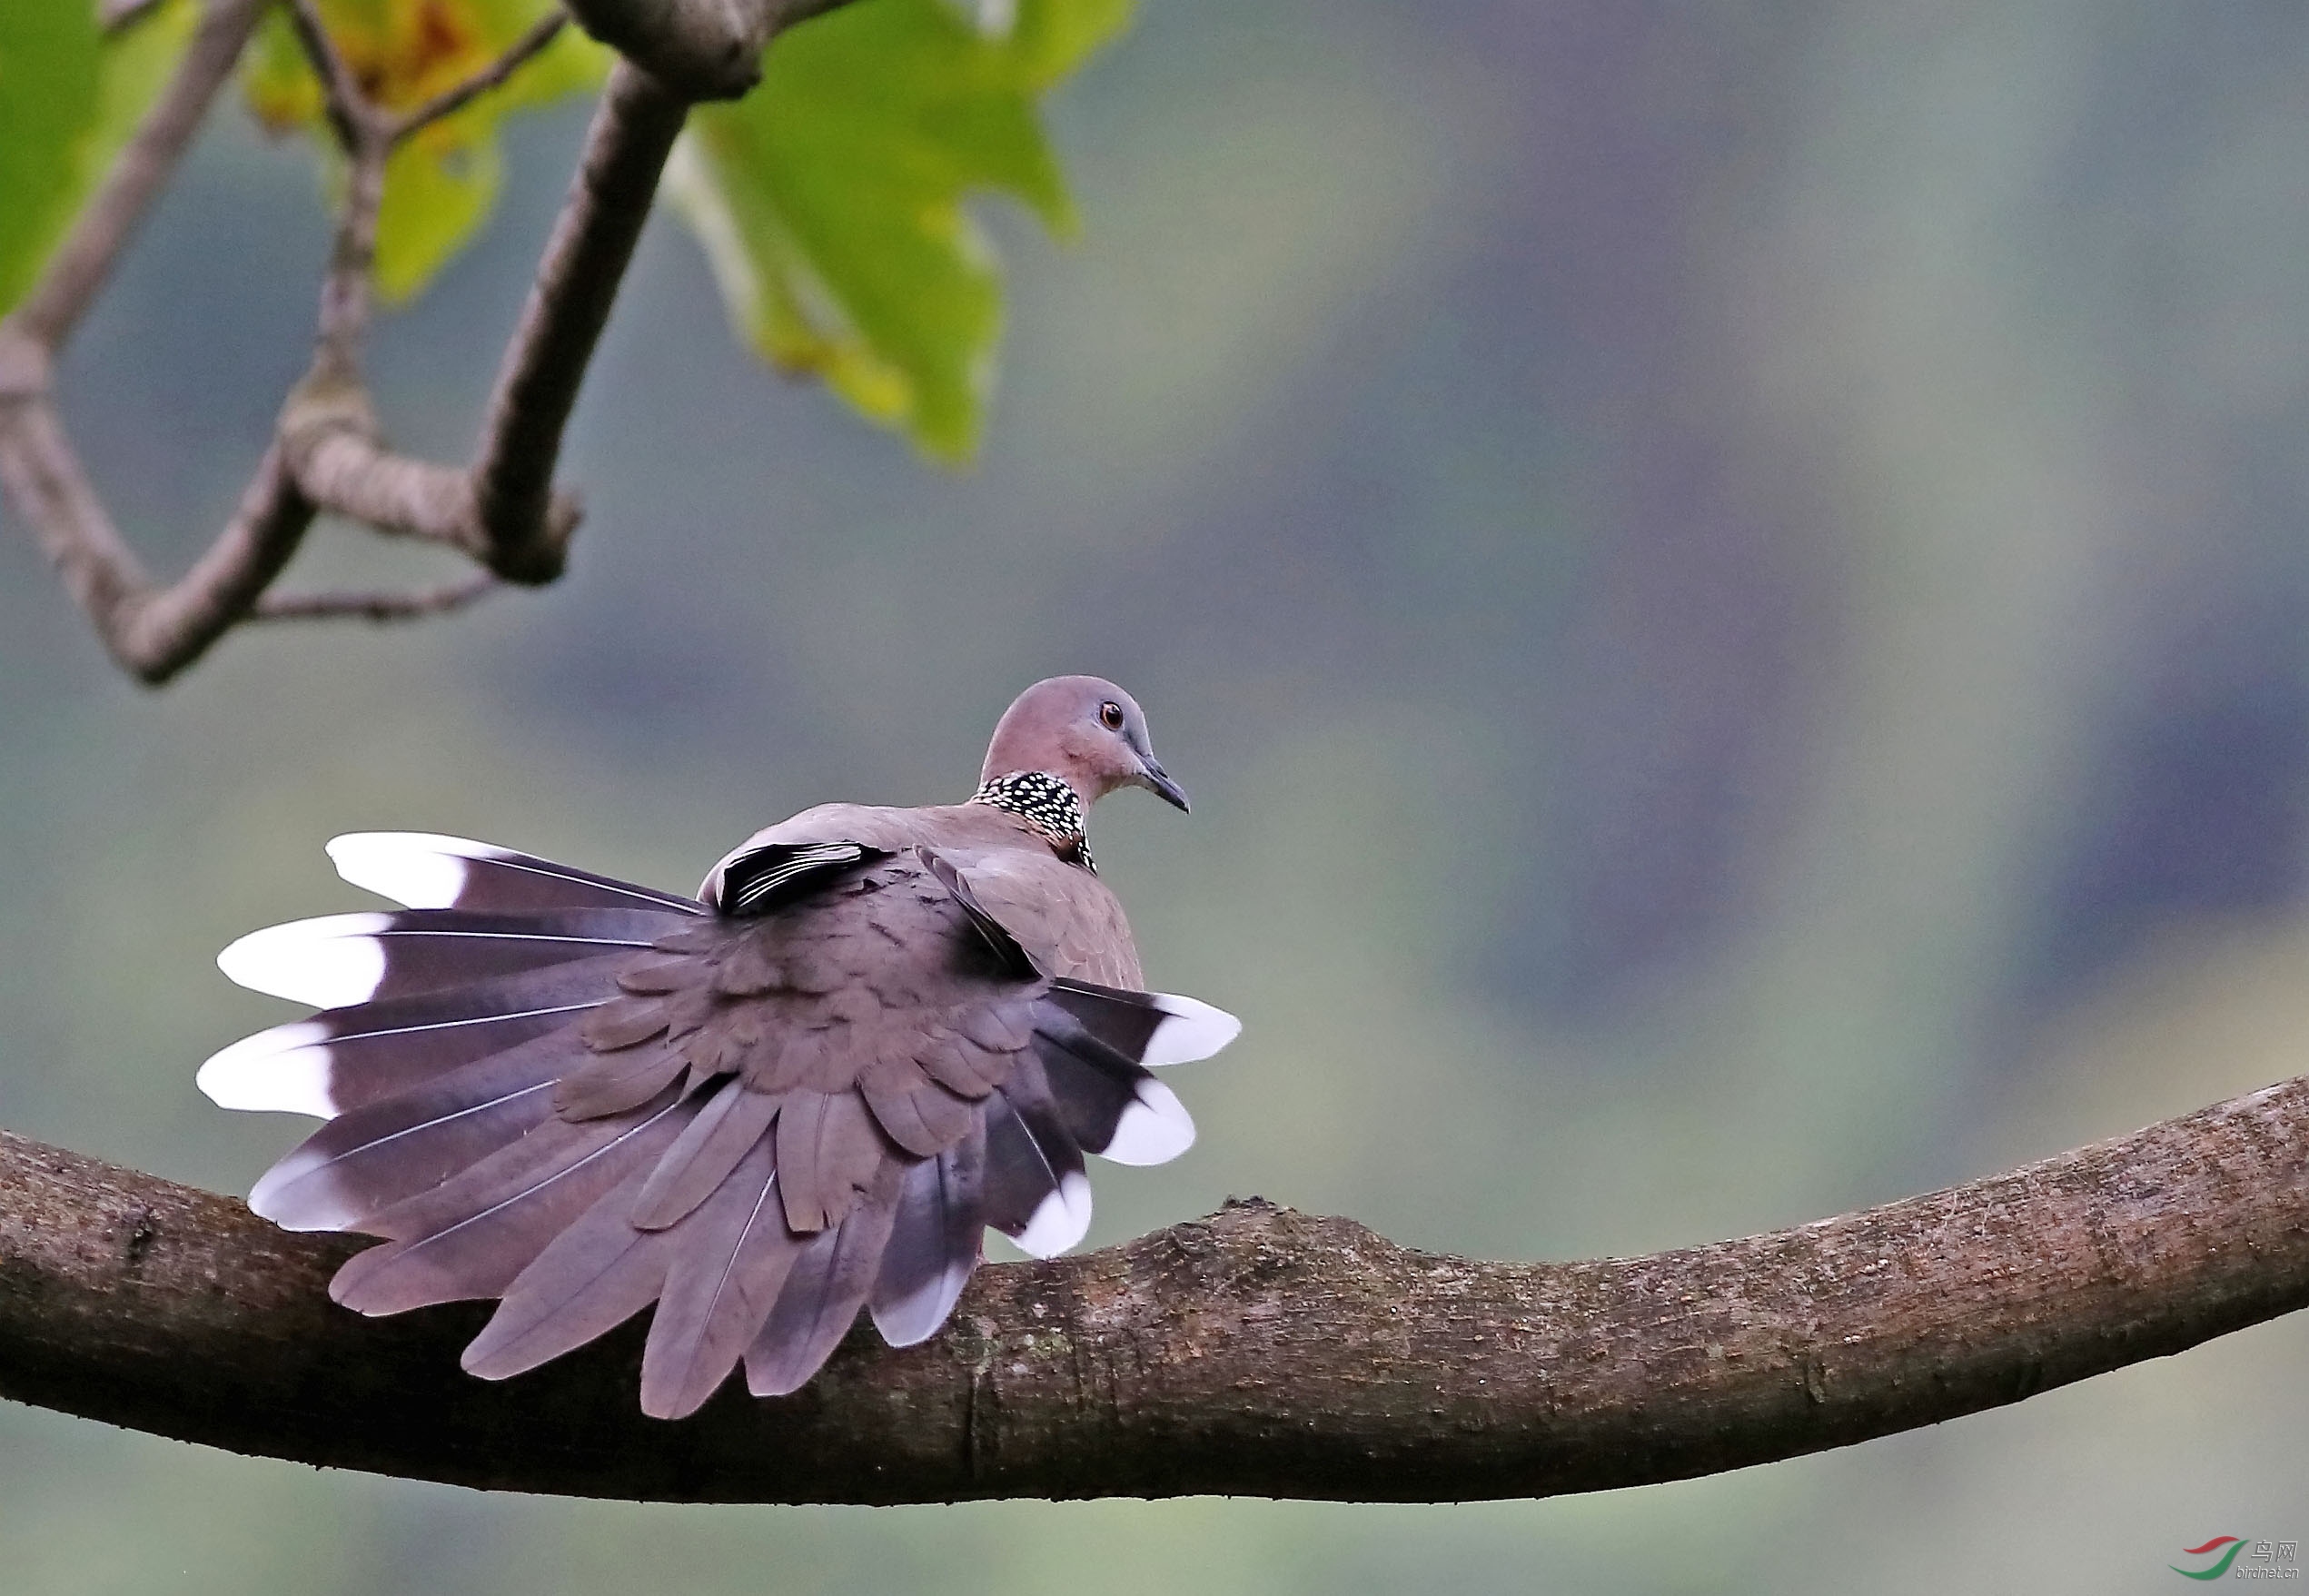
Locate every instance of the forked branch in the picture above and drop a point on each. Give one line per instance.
(1258, 1352)
(325, 453)
(328, 452)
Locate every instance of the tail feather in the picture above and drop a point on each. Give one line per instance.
(1153, 1029)
(472, 1236)
(734, 1257)
(915, 1112)
(586, 1282)
(423, 871)
(934, 1242)
(608, 1084)
(1037, 1192)
(373, 1157)
(341, 960)
(1113, 1108)
(733, 1124)
(829, 1283)
(347, 1058)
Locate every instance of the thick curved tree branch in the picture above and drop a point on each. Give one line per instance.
(1258, 1352)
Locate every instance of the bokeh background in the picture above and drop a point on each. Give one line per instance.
(1732, 584)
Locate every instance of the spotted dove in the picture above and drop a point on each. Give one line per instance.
(873, 1034)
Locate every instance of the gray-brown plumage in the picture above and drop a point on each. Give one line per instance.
(873, 1034)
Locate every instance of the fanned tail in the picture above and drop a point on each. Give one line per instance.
(577, 1096)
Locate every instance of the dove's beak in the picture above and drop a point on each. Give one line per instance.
(1158, 780)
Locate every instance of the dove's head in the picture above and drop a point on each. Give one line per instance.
(1088, 732)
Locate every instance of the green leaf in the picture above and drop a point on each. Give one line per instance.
(441, 186)
(1052, 40)
(830, 200)
(69, 99)
(436, 199)
(49, 91)
(137, 63)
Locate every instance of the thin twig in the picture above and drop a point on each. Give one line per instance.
(151, 631)
(343, 468)
(450, 101)
(352, 258)
(49, 488)
(325, 453)
(632, 132)
(355, 121)
(381, 607)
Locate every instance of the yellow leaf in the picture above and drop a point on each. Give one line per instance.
(441, 186)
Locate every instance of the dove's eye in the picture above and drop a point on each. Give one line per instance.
(1110, 715)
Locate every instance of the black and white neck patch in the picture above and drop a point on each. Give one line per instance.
(1048, 805)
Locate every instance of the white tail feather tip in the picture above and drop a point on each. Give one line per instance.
(1191, 1029)
(330, 963)
(308, 1213)
(1061, 1220)
(284, 1070)
(414, 868)
(1154, 1129)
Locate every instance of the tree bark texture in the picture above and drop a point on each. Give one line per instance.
(1257, 1352)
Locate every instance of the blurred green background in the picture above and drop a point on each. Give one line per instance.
(1728, 581)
